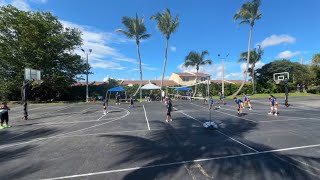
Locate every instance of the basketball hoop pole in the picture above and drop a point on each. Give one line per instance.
(286, 92)
(25, 98)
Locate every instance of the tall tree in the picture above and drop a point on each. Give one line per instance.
(248, 14)
(167, 25)
(315, 68)
(299, 73)
(135, 29)
(255, 56)
(38, 40)
(196, 60)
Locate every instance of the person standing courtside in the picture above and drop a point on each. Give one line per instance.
(4, 115)
(117, 99)
(169, 109)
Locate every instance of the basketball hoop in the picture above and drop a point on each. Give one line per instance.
(37, 82)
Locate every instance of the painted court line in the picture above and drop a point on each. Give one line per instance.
(267, 115)
(224, 134)
(96, 134)
(184, 162)
(238, 141)
(227, 114)
(145, 114)
(39, 139)
(306, 170)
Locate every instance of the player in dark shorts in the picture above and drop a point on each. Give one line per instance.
(169, 109)
(132, 101)
(211, 101)
(273, 105)
(4, 115)
(240, 105)
(247, 101)
(105, 105)
(221, 96)
(117, 99)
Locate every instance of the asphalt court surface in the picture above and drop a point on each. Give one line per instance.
(76, 141)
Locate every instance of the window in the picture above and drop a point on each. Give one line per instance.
(185, 78)
(203, 78)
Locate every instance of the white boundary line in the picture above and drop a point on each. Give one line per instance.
(227, 114)
(145, 114)
(222, 133)
(42, 125)
(264, 121)
(183, 162)
(39, 139)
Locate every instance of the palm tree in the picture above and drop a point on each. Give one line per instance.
(135, 29)
(255, 56)
(167, 25)
(248, 13)
(196, 59)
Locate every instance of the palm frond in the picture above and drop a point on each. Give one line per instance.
(127, 21)
(165, 22)
(135, 28)
(248, 13)
(203, 54)
(188, 63)
(205, 62)
(145, 36)
(128, 34)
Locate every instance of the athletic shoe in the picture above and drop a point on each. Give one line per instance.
(219, 107)
(167, 120)
(250, 109)
(104, 113)
(269, 113)
(276, 114)
(2, 127)
(170, 119)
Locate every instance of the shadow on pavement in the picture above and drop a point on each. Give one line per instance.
(186, 144)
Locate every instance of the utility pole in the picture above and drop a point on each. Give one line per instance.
(87, 73)
(222, 79)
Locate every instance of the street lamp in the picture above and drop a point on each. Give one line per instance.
(222, 79)
(87, 73)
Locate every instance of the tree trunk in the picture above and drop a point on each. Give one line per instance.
(140, 63)
(165, 62)
(253, 78)
(195, 89)
(247, 66)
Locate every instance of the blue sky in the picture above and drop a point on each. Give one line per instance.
(288, 29)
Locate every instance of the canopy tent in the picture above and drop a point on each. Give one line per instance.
(116, 89)
(150, 86)
(183, 89)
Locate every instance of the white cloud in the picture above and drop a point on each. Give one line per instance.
(106, 65)
(173, 48)
(40, 1)
(103, 56)
(288, 54)
(20, 4)
(149, 68)
(165, 77)
(240, 75)
(276, 40)
(214, 70)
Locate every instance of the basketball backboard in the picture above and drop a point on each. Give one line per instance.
(278, 77)
(32, 74)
